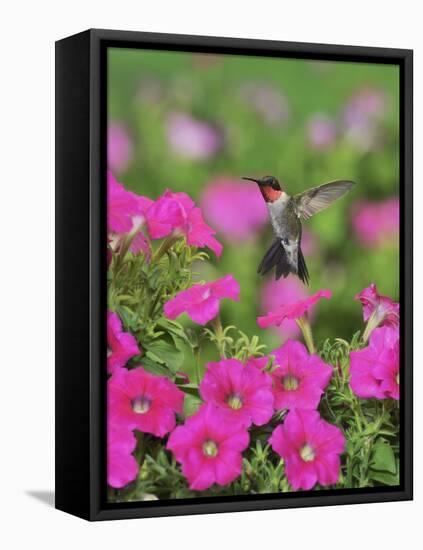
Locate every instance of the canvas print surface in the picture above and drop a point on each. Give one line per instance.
(253, 275)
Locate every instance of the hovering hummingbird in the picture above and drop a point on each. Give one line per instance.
(286, 213)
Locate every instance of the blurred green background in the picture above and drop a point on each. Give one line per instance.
(186, 121)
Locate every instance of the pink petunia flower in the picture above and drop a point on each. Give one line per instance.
(388, 374)
(376, 223)
(209, 448)
(140, 243)
(299, 379)
(244, 392)
(321, 131)
(310, 447)
(140, 400)
(176, 213)
(286, 291)
(235, 209)
(191, 138)
(374, 370)
(120, 149)
(122, 468)
(257, 362)
(367, 103)
(201, 301)
(384, 310)
(122, 346)
(291, 311)
(309, 242)
(122, 206)
(126, 213)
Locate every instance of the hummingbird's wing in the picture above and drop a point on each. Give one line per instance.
(318, 198)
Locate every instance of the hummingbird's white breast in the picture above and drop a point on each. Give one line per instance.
(276, 210)
(278, 221)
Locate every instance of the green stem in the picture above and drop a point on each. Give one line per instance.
(124, 246)
(358, 414)
(305, 328)
(372, 323)
(165, 246)
(123, 249)
(197, 364)
(216, 324)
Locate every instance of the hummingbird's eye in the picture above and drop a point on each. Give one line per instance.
(285, 241)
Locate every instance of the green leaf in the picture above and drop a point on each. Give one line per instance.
(190, 389)
(385, 477)
(383, 457)
(191, 405)
(165, 353)
(173, 328)
(156, 368)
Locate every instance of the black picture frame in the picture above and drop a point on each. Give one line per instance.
(81, 112)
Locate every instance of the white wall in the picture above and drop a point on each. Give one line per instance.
(26, 259)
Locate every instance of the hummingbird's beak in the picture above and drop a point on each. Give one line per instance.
(251, 179)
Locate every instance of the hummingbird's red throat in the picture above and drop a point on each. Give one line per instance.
(270, 194)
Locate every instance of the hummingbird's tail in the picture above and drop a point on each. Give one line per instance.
(277, 257)
(302, 267)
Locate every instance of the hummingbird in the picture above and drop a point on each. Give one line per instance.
(286, 213)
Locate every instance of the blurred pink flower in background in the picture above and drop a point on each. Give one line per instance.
(309, 243)
(383, 308)
(299, 379)
(321, 131)
(121, 346)
(120, 148)
(375, 223)
(275, 293)
(310, 447)
(122, 468)
(368, 101)
(201, 302)
(192, 138)
(234, 209)
(374, 370)
(361, 116)
(209, 448)
(267, 102)
(291, 311)
(243, 391)
(176, 212)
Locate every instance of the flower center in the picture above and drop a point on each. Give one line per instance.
(210, 448)
(397, 379)
(141, 404)
(289, 382)
(307, 453)
(109, 352)
(234, 401)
